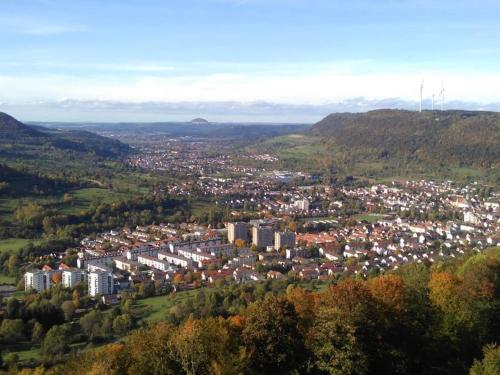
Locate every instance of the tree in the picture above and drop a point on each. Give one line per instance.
(150, 351)
(46, 313)
(122, 324)
(274, 344)
(57, 277)
(197, 350)
(13, 264)
(92, 324)
(12, 330)
(76, 298)
(37, 333)
(239, 243)
(490, 364)
(335, 346)
(389, 290)
(106, 360)
(68, 309)
(56, 342)
(13, 308)
(178, 278)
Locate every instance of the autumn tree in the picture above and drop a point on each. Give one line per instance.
(150, 351)
(490, 364)
(122, 324)
(274, 344)
(68, 309)
(204, 347)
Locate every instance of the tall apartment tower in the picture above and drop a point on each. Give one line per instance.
(72, 277)
(284, 240)
(238, 230)
(263, 236)
(100, 283)
(37, 280)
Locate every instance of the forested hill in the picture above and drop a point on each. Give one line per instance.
(450, 137)
(14, 133)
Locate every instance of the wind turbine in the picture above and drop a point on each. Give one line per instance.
(433, 101)
(441, 94)
(421, 94)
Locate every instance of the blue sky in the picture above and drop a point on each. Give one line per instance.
(95, 56)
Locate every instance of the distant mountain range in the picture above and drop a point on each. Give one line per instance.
(14, 132)
(463, 138)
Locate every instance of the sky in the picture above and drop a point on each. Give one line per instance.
(243, 60)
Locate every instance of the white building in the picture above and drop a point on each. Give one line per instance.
(72, 277)
(100, 283)
(156, 263)
(175, 259)
(37, 280)
(472, 218)
(133, 253)
(126, 265)
(302, 204)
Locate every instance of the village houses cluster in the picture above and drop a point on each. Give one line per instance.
(396, 229)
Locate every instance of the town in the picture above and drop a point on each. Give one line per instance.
(312, 232)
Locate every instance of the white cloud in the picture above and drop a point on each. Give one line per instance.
(315, 87)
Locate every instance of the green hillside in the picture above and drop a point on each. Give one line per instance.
(18, 140)
(461, 145)
(458, 138)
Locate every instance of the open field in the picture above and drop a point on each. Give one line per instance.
(4, 279)
(32, 353)
(14, 244)
(371, 218)
(156, 307)
(83, 198)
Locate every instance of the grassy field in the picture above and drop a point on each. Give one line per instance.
(83, 198)
(371, 218)
(198, 207)
(32, 353)
(319, 218)
(14, 244)
(155, 308)
(4, 279)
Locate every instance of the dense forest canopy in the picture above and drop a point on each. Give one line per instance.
(454, 137)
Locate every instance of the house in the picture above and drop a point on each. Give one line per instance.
(243, 275)
(275, 275)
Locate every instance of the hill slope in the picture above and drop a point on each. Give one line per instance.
(463, 138)
(14, 133)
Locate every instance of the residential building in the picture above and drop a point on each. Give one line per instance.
(283, 240)
(178, 260)
(302, 204)
(37, 280)
(72, 277)
(262, 237)
(156, 263)
(100, 283)
(237, 231)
